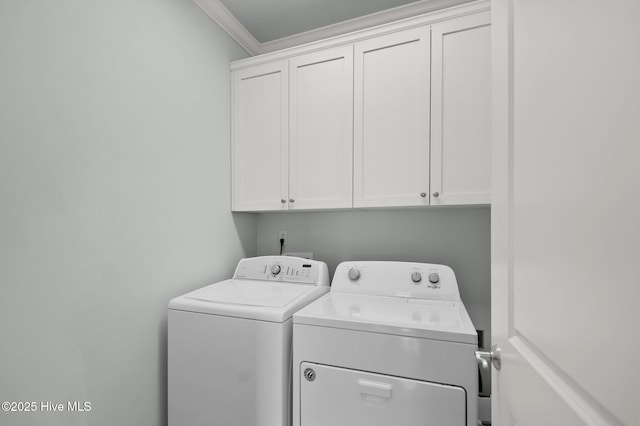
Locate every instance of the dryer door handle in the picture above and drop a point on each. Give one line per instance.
(382, 390)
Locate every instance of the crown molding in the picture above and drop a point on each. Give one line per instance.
(431, 18)
(230, 24)
(220, 14)
(360, 23)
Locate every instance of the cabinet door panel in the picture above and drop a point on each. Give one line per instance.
(461, 111)
(391, 123)
(321, 129)
(260, 137)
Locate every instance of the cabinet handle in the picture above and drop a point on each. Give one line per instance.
(423, 194)
(291, 200)
(436, 194)
(283, 201)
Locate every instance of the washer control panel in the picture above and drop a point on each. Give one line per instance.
(282, 268)
(400, 279)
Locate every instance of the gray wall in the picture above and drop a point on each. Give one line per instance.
(458, 237)
(114, 197)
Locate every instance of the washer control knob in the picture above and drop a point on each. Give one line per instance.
(416, 277)
(275, 269)
(354, 274)
(434, 278)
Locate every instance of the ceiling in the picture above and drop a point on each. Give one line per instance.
(262, 26)
(269, 20)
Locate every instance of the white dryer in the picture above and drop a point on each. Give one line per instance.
(391, 344)
(229, 344)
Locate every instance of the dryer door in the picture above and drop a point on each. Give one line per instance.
(342, 397)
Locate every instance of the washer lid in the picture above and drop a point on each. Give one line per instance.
(252, 293)
(429, 319)
(267, 301)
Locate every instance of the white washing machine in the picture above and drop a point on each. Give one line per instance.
(391, 344)
(229, 344)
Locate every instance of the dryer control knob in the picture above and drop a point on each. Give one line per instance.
(275, 269)
(416, 277)
(354, 274)
(434, 278)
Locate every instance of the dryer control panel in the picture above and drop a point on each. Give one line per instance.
(399, 279)
(284, 269)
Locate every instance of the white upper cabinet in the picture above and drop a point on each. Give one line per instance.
(461, 111)
(260, 119)
(396, 115)
(321, 129)
(391, 120)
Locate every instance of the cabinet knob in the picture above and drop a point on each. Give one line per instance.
(423, 194)
(436, 194)
(283, 201)
(291, 200)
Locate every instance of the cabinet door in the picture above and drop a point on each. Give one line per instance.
(461, 111)
(260, 113)
(391, 122)
(321, 129)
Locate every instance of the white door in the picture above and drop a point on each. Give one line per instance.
(332, 396)
(391, 120)
(321, 129)
(461, 110)
(259, 151)
(566, 212)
